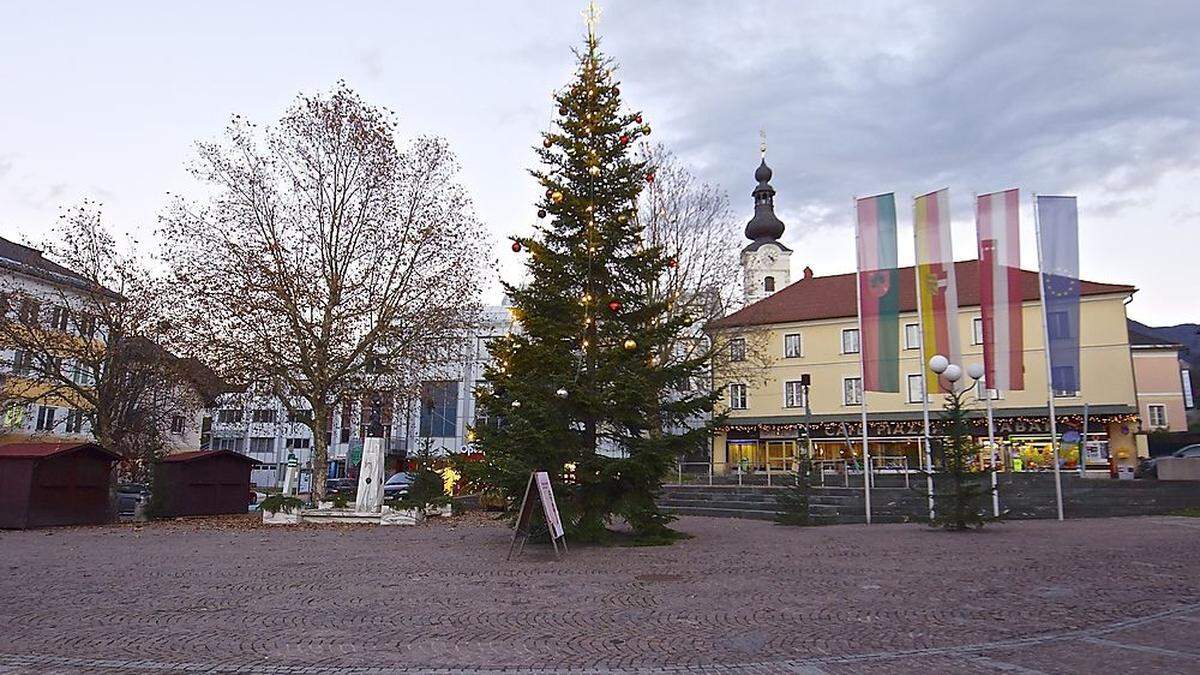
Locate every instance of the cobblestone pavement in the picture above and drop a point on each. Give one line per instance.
(1119, 595)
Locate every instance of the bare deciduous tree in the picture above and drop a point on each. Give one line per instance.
(325, 260)
(85, 325)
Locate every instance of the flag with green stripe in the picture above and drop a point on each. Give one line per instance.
(879, 293)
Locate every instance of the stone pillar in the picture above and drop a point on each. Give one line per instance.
(291, 476)
(370, 477)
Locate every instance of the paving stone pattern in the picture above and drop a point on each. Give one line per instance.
(1112, 595)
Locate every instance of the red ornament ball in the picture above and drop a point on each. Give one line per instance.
(672, 262)
(624, 139)
(516, 247)
(546, 143)
(639, 119)
(615, 305)
(650, 177)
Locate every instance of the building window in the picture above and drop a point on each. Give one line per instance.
(977, 331)
(262, 444)
(59, 318)
(1064, 374)
(22, 362)
(983, 394)
(916, 388)
(849, 340)
(87, 325)
(264, 415)
(1158, 415)
(297, 443)
(344, 436)
(1058, 324)
(852, 391)
(769, 284)
(793, 346)
(229, 415)
(1189, 400)
(177, 424)
(226, 443)
(299, 416)
(74, 422)
(80, 374)
(737, 349)
(29, 312)
(439, 409)
(793, 394)
(737, 396)
(45, 418)
(912, 336)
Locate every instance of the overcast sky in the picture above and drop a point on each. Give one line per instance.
(105, 99)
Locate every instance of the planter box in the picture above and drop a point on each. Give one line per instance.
(281, 517)
(390, 516)
(443, 511)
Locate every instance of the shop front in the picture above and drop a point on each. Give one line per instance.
(897, 445)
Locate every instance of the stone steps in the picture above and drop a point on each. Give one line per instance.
(826, 505)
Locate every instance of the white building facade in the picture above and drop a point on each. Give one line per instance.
(442, 416)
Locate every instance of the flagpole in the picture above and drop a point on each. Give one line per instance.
(987, 395)
(1083, 444)
(862, 371)
(987, 386)
(1037, 228)
(924, 369)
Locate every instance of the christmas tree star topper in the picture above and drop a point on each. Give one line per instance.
(591, 16)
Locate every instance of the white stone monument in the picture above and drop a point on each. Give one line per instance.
(370, 477)
(370, 470)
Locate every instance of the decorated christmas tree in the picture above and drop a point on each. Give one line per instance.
(594, 386)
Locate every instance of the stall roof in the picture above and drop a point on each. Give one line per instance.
(204, 454)
(43, 450)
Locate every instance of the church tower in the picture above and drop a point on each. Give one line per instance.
(766, 262)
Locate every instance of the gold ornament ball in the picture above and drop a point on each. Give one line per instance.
(556, 196)
(646, 129)
(594, 170)
(546, 143)
(630, 345)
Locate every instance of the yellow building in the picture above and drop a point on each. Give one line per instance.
(809, 330)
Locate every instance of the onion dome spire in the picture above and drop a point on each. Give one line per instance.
(764, 226)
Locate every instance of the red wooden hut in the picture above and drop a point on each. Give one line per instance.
(44, 484)
(202, 483)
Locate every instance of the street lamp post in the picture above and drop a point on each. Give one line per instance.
(953, 373)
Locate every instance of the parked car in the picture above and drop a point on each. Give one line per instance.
(1148, 468)
(397, 486)
(343, 487)
(129, 495)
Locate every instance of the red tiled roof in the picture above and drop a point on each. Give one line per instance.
(202, 454)
(834, 297)
(42, 450)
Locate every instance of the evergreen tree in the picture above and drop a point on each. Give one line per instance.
(593, 387)
(962, 503)
(793, 501)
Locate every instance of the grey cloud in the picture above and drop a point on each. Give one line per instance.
(1052, 97)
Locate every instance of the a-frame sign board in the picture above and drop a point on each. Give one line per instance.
(524, 529)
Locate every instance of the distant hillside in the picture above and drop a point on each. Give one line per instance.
(1186, 334)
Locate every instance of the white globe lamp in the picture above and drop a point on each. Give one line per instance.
(953, 373)
(939, 364)
(975, 371)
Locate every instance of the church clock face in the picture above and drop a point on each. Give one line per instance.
(769, 255)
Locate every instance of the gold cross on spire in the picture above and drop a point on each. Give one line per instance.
(591, 16)
(762, 143)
